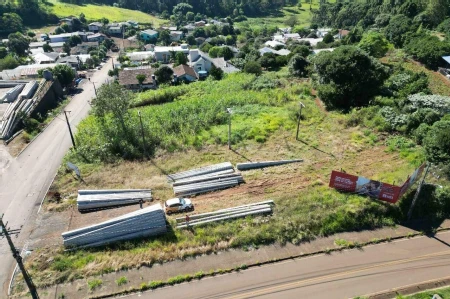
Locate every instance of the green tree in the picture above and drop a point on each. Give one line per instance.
(437, 10)
(328, 38)
(164, 74)
(47, 48)
(253, 67)
(11, 22)
(75, 40)
(375, 44)
(190, 39)
(18, 43)
(216, 73)
(428, 49)
(164, 37)
(291, 21)
(3, 52)
(437, 142)
(214, 52)
(59, 30)
(64, 74)
(8, 63)
(230, 40)
(82, 18)
(226, 53)
(348, 77)
(268, 61)
(141, 78)
(297, 66)
(65, 27)
(66, 48)
(397, 29)
(180, 58)
(113, 100)
(190, 16)
(301, 49)
(182, 8)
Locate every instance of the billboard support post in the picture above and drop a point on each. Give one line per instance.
(416, 196)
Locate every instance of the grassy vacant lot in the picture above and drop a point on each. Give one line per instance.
(95, 12)
(444, 293)
(264, 125)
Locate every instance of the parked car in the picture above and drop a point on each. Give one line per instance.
(176, 205)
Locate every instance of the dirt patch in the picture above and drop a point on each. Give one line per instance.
(17, 145)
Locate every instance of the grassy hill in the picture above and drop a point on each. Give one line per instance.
(95, 12)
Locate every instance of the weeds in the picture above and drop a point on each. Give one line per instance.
(121, 281)
(95, 283)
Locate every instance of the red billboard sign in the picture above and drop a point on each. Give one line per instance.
(364, 186)
(382, 191)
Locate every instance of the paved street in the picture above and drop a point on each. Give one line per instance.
(25, 180)
(340, 275)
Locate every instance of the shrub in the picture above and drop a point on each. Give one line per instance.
(437, 142)
(253, 67)
(121, 281)
(95, 283)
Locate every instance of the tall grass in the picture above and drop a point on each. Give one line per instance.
(188, 119)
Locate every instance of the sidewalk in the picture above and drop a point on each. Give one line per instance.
(220, 261)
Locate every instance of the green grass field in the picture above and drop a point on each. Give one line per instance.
(95, 12)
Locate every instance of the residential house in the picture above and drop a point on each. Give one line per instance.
(98, 37)
(170, 28)
(68, 21)
(225, 66)
(36, 51)
(46, 58)
(57, 47)
(282, 52)
(149, 34)
(73, 61)
(58, 38)
(321, 32)
(95, 27)
(127, 78)
(341, 34)
(115, 30)
(218, 23)
(138, 57)
(84, 35)
(176, 36)
(200, 24)
(199, 61)
(25, 71)
(200, 40)
(274, 44)
(133, 24)
(149, 47)
(317, 51)
(163, 54)
(285, 37)
(190, 28)
(35, 45)
(184, 73)
(83, 48)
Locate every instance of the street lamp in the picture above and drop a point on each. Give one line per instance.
(298, 122)
(95, 89)
(229, 127)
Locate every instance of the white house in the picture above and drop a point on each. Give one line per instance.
(163, 54)
(115, 30)
(176, 36)
(321, 32)
(98, 37)
(274, 43)
(45, 58)
(137, 57)
(95, 27)
(199, 61)
(58, 38)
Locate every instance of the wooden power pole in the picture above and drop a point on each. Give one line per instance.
(5, 232)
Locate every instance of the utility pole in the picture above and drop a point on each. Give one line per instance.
(416, 196)
(143, 135)
(7, 233)
(229, 127)
(95, 89)
(299, 118)
(70, 130)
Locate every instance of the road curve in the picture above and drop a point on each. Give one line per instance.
(25, 180)
(345, 274)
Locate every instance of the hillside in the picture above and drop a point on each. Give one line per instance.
(95, 12)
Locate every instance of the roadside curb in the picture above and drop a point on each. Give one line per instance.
(411, 289)
(382, 295)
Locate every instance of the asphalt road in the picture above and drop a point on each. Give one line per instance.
(341, 275)
(25, 180)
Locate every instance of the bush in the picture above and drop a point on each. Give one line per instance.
(437, 142)
(298, 66)
(253, 67)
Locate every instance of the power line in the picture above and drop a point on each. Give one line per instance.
(5, 232)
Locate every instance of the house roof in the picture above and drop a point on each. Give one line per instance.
(273, 43)
(68, 59)
(169, 49)
(115, 28)
(128, 76)
(56, 45)
(176, 32)
(183, 69)
(98, 24)
(45, 57)
(139, 56)
(446, 58)
(149, 32)
(343, 32)
(37, 44)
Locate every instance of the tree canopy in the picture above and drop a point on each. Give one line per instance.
(375, 44)
(427, 49)
(164, 74)
(348, 77)
(18, 43)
